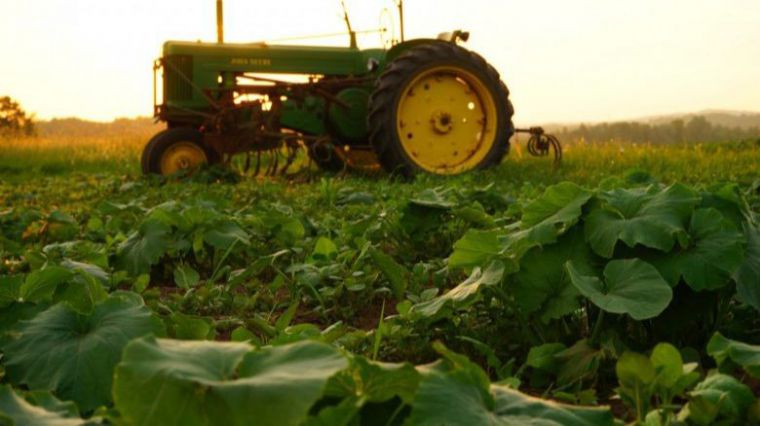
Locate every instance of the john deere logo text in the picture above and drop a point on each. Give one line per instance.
(251, 61)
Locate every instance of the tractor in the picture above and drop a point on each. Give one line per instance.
(413, 106)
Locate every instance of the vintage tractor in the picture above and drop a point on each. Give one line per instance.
(424, 105)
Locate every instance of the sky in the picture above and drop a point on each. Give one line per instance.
(563, 60)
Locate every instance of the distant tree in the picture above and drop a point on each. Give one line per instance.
(14, 121)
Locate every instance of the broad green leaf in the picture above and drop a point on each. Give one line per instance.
(324, 249)
(636, 376)
(375, 381)
(81, 292)
(543, 285)
(462, 295)
(15, 411)
(41, 285)
(73, 354)
(185, 276)
(667, 363)
(639, 216)
(191, 327)
(554, 212)
(747, 276)
(719, 397)
(205, 383)
(715, 251)
(396, 274)
(544, 357)
(457, 392)
(475, 248)
(10, 289)
(745, 355)
(631, 287)
(516, 408)
(433, 198)
(225, 234)
(143, 248)
(578, 362)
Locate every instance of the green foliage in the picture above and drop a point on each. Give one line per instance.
(73, 354)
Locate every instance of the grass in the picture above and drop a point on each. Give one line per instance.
(37, 163)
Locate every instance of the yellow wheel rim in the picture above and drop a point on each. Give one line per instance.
(182, 156)
(446, 120)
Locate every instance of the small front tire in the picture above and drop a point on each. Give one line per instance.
(176, 150)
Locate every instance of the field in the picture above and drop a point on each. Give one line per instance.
(622, 286)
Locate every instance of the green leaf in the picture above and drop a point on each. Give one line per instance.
(186, 277)
(631, 287)
(201, 383)
(667, 363)
(463, 295)
(15, 411)
(375, 381)
(639, 216)
(544, 357)
(10, 289)
(554, 212)
(73, 354)
(543, 285)
(324, 249)
(432, 198)
(636, 376)
(475, 248)
(516, 408)
(457, 392)
(191, 327)
(719, 397)
(41, 285)
(225, 234)
(747, 276)
(745, 355)
(143, 248)
(396, 274)
(713, 255)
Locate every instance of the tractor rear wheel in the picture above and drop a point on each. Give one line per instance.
(441, 109)
(174, 150)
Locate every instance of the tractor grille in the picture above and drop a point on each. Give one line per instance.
(177, 88)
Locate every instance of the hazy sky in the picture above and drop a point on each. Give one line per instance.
(564, 60)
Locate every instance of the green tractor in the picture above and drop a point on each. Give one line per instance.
(423, 105)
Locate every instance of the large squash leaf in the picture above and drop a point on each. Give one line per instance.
(747, 276)
(715, 251)
(210, 383)
(745, 355)
(631, 287)
(15, 411)
(543, 285)
(143, 248)
(457, 392)
(554, 212)
(475, 248)
(639, 216)
(462, 295)
(73, 354)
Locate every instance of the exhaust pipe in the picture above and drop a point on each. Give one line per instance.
(219, 21)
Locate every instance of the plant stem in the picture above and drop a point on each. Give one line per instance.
(594, 340)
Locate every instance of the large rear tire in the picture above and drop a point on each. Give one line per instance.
(174, 150)
(440, 109)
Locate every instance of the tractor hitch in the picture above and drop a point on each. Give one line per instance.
(540, 143)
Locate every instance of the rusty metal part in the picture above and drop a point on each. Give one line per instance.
(540, 143)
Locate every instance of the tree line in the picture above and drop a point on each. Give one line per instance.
(695, 129)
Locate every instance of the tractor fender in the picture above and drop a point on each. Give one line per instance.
(400, 48)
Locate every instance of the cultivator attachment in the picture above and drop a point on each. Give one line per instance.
(541, 143)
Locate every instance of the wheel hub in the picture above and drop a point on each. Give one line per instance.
(182, 156)
(447, 120)
(442, 122)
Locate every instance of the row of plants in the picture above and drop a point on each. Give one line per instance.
(618, 296)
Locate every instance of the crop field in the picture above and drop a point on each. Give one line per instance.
(620, 287)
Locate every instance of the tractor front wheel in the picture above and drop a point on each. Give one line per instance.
(440, 109)
(176, 149)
